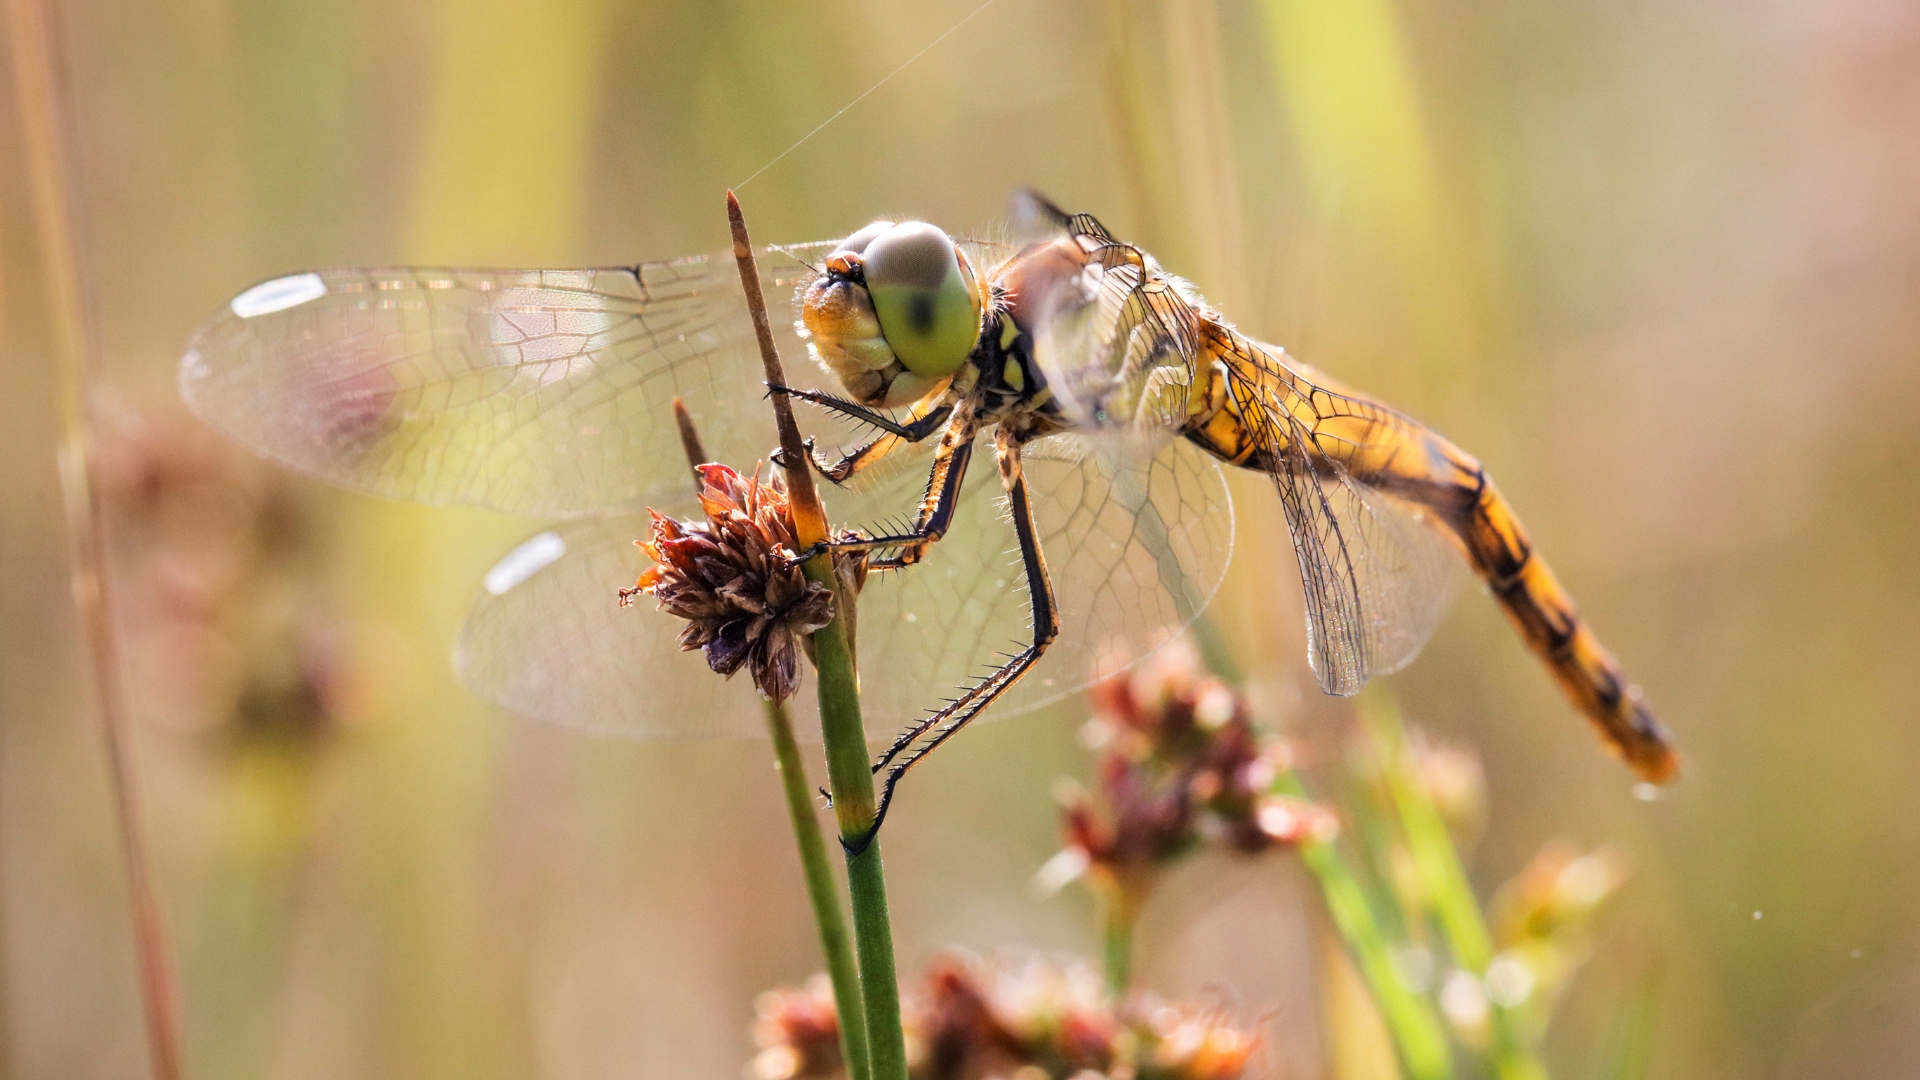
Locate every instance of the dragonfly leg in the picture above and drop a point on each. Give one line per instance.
(854, 460)
(936, 507)
(913, 430)
(1046, 627)
(893, 433)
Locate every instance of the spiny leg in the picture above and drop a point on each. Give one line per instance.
(1046, 627)
(892, 434)
(936, 506)
(912, 431)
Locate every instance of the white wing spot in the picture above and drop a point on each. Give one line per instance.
(278, 295)
(524, 561)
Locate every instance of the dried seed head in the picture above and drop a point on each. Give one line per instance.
(1180, 764)
(989, 1017)
(731, 577)
(221, 608)
(798, 1032)
(1012, 1015)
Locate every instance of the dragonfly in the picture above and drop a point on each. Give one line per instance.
(549, 394)
(1108, 392)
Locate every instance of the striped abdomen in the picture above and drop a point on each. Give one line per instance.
(1272, 413)
(1546, 617)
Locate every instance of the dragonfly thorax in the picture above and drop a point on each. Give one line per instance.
(894, 313)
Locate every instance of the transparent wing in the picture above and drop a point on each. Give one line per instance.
(1377, 577)
(1125, 346)
(543, 392)
(548, 639)
(1136, 547)
(1377, 572)
(1115, 337)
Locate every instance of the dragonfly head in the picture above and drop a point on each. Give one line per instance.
(895, 314)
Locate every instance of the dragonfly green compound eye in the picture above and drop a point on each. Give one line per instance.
(857, 243)
(923, 297)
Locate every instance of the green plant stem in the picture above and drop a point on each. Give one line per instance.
(1418, 1034)
(835, 942)
(849, 777)
(851, 780)
(1118, 916)
(1448, 891)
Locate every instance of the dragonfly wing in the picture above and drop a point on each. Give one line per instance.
(1136, 548)
(548, 639)
(1376, 572)
(543, 392)
(1114, 336)
(1120, 343)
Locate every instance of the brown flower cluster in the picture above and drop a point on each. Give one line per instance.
(732, 579)
(219, 597)
(1180, 764)
(1021, 1019)
(798, 1033)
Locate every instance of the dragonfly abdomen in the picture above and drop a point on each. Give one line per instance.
(1280, 416)
(1547, 619)
(1431, 471)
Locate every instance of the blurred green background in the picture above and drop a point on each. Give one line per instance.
(1658, 265)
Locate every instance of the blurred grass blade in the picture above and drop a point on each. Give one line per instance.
(1443, 880)
(1204, 149)
(1418, 1034)
(1447, 889)
(1346, 82)
(53, 184)
(1629, 1039)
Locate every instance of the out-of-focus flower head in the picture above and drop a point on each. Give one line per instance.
(217, 591)
(798, 1033)
(1195, 1044)
(1542, 921)
(731, 577)
(1180, 763)
(1014, 1017)
(1452, 777)
(1448, 774)
(1557, 894)
(987, 1018)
